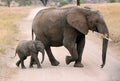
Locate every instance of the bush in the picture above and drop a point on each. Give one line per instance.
(24, 2)
(112, 1)
(82, 1)
(1, 4)
(118, 1)
(63, 2)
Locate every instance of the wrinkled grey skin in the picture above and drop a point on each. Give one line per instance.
(67, 27)
(29, 48)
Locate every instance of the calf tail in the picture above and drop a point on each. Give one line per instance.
(43, 56)
(32, 35)
(14, 56)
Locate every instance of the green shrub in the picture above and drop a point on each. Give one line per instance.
(82, 1)
(24, 2)
(112, 1)
(1, 5)
(63, 2)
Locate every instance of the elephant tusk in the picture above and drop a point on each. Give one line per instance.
(106, 37)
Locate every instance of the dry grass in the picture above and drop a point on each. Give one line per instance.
(8, 20)
(8, 30)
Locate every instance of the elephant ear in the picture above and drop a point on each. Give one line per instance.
(32, 47)
(78, 20)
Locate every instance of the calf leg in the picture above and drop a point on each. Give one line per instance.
(18, 63)
(22, 62)
(35, 57)
(31, 62)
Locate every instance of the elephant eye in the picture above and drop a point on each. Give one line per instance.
(97, 21)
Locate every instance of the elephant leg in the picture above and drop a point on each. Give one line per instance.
(52, 59)
(22, 62)
(31, 62)
(69, 42)
(35, 57)
(80, 48)
(73, 51)
(18, 63)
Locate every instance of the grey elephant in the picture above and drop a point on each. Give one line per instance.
(68, 27)
(29, 48)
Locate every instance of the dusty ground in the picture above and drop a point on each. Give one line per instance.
(63, 72)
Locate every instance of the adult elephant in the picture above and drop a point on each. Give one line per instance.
(68, 27)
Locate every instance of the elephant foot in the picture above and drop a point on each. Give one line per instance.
(23, 67)
(30, 66)
(68, 59)
(39, 67)
(55, 63)
(78, 65)
(17, 64)
(34, 62)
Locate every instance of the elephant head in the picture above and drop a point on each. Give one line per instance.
(85, 19)
(38, 46)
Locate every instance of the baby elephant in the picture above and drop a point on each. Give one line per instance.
(29, 48)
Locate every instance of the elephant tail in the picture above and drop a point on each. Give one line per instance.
(32, 35)
(14, 56)
(43, 56)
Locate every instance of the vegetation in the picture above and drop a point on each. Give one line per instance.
(24, 2)
(13, 2)
(8, 2)
(113, 1)
(63, 2)
(8, 20)
(8, 30)
(82, 1)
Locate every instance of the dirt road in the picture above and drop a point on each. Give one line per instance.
(63, 72)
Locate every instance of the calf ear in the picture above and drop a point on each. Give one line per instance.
(33, 48)
(77, 19)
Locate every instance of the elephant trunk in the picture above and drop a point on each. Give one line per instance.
(32, 35)
(43, 56)
(104, 46)
(102, 28)
(104, 50)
